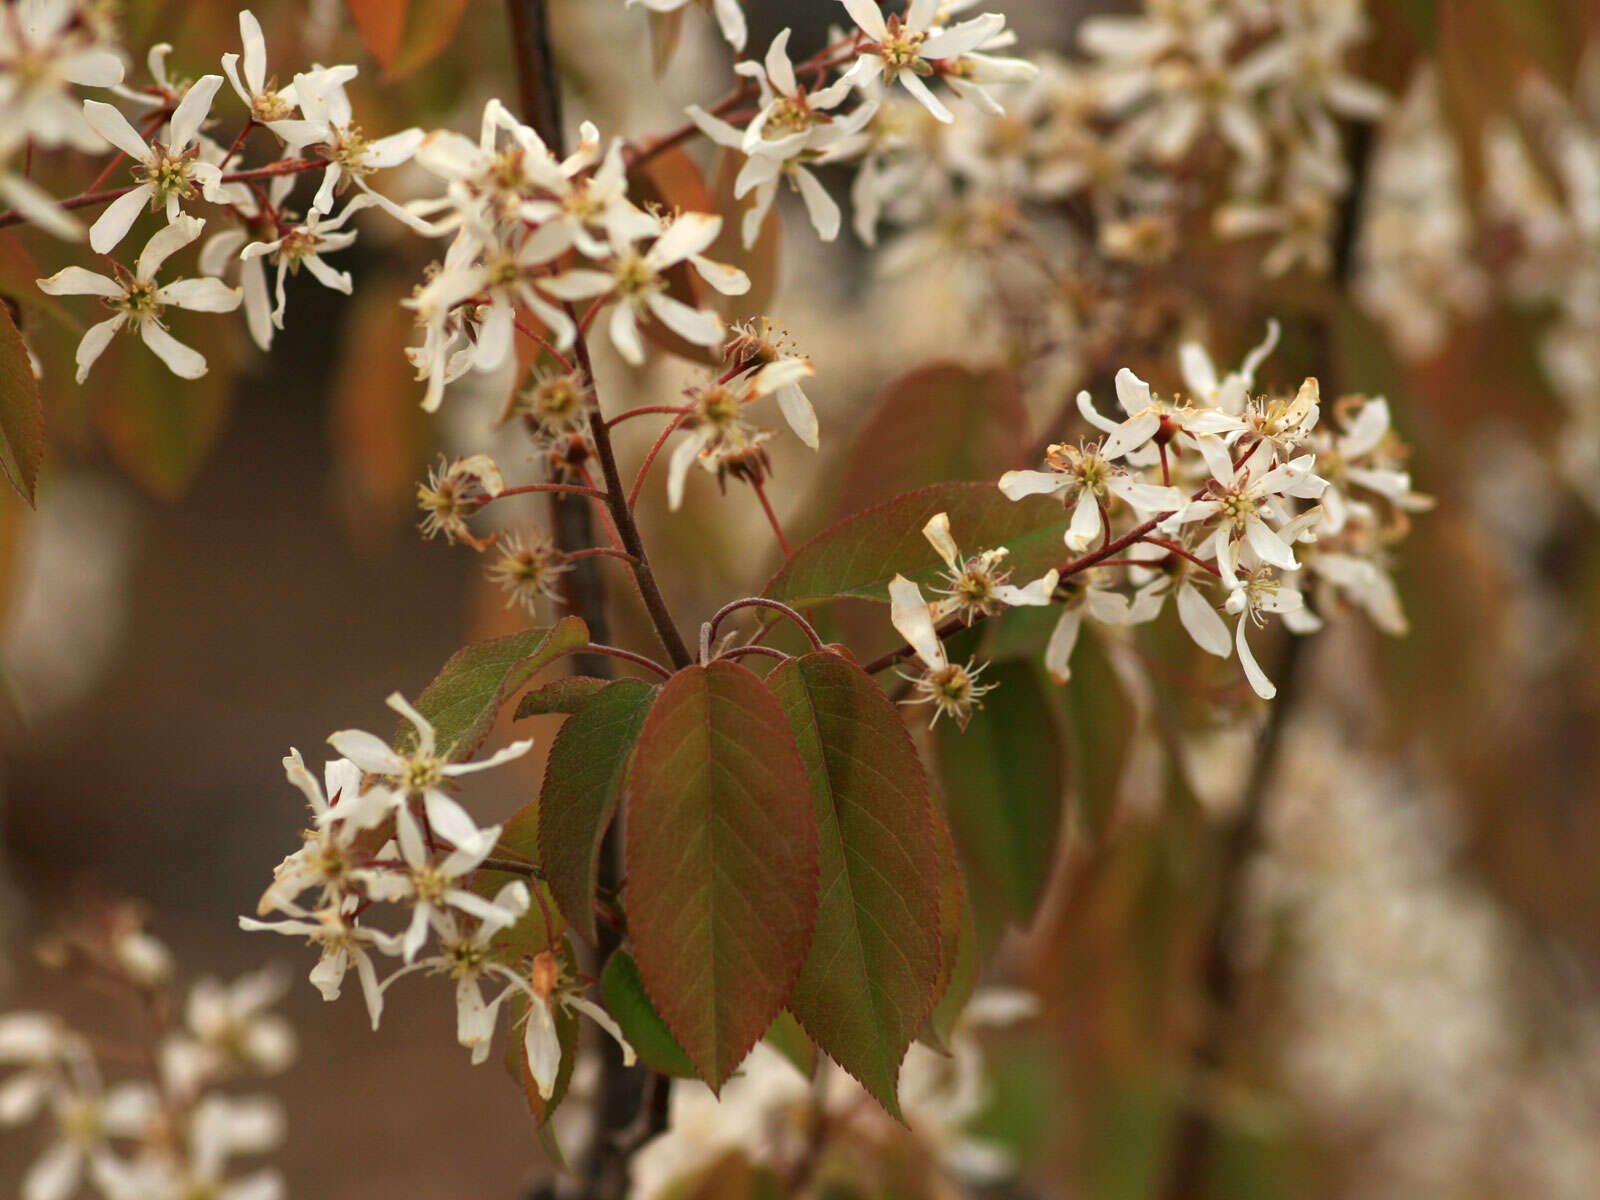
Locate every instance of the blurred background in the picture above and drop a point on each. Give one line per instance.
(218, 572)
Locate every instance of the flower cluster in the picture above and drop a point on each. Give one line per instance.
(385, 830)
(1222, 498)
(178, 168)
(169, 1134)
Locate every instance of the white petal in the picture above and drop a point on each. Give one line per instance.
(94, 342)
(1264, 540)
(367, 751)
(865, 14)
(1252, 670)
(937, 531)
(1017, 484)
(110, 124)
(683, 456)
(77, 281)
(1063, 640)
(797, 411)
(625, 334)
(780, 72)
(1207, 629)
(542, 1046)
(200, 295)
(603, 1019)
(111, 226)
(926, 98)
(192, 111)
(55, 1175)
(909, 614)
(692, 324)
(691, 233)
(820, 207)
(165, 243)
(181, 360)
(1085, 522)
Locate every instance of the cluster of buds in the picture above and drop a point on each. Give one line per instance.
(1228, 501)
(386, 835)
(166, 1132)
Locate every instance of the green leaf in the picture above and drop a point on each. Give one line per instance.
(790, 1040)
(1101, 722)
(629, 1005)
(467, 694)
(860, 555)
(721, 847)
(868, 983)
(939, 423)
(21, 416)
(1002, 787)
(562, 696)
(582, 783)
(542, 926)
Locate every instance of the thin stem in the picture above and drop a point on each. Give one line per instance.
(605, 512)
(728, 610)
(564, 489)
(542, 344)
(512, 867)
(237, 142)
(650, 458)
(628, 656)
(772, 517)
(599, 552)
(741, 651)
(90, 199)
(644, 411)
(1172, 547)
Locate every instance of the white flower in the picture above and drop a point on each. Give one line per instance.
(343, 942)
(637, 282)
(229, 1028)
(168, 172)
(86, 1119)
(464, 955)
(1256, 594)
(268, 105)
(139, 302)
(1086, 480)
(716, 431)
(1090, 595)
(979, 586)
(45, 49)
(790, 130)
(906, 48)
(730, 16)
(304, 244)
(952, 689)
(351, 157)
(1231, 392)
(540, 1041)
(431, 887)
(1247, 506)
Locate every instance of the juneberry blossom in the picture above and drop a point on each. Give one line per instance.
(269, 105)
(729, 13)
(139, 301)
(548, 991)
(979, 586)
(169, 172)
(952, 689)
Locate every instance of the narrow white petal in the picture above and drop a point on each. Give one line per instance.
(1017, 484)
(909, 614)
(1252, 670)
(1063, 640)
(1207, 629)
(111, 226)
(181, 360)
(110, 124)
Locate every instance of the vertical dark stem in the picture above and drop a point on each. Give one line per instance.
(623, 1100)
(1192, 1148)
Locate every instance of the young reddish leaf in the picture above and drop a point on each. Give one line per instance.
(860, 555)
(21, 417)
(430, 27)
(629, 1005)
(721, 853)
(1002, 787)
(562, 696)
(381, 24)
(582, 783)
(938, 423)
(868, 983)
(466, 695)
